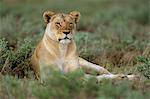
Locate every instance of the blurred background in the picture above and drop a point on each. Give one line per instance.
(112, 33)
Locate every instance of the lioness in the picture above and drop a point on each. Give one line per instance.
(57, 49)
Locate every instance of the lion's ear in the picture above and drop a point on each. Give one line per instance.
(47, 16)
(75, 15)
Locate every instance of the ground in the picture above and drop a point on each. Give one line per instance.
(112, 33)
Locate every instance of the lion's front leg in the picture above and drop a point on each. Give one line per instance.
(89, 67)
(114, 77)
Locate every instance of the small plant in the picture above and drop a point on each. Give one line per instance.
(15, 62)
(21, 53)
(144, 68)
(4, 52)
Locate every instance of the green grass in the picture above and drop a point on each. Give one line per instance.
(70, 86)
(111, 33)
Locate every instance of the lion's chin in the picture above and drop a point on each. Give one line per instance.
(65, 41)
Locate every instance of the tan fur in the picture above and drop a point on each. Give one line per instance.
(60, 53)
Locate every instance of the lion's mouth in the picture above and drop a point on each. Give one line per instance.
(66, 38)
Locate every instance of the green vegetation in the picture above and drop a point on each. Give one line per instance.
(72, 86)
(112, 33)
(145, 67)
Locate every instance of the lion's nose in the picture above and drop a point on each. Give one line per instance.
(66, 32)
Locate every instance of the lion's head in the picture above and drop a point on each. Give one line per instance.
(61, 27)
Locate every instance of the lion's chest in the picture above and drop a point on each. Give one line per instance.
(61, 60)
(64, 63)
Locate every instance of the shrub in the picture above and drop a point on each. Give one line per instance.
(15, 62)
(144, 68)
(4, 52)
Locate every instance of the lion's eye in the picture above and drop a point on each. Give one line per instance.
(71, 23)
(57, 23)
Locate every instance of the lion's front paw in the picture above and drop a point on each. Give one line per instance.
(126, 77)
(133, 77)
